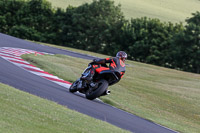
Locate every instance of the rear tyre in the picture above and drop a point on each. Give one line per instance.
(73, 87)
(102, 86)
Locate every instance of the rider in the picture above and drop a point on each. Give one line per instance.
(116, 63)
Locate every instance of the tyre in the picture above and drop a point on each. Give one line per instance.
(102, 86)
(73, 87)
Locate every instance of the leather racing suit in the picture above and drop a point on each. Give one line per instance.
(116, 64)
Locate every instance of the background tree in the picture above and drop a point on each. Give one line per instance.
(8, 13)
(94, 26)
(37, 15)
(101, 27)
(148, 40)
(187, 46)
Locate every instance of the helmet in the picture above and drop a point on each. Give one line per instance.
(122, 55)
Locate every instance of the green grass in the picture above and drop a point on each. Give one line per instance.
(168, 10)
(165, 96)
(21, 112)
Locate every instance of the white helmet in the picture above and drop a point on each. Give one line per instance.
(122, 55)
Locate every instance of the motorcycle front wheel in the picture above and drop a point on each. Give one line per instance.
(102, 86)
(73, 87)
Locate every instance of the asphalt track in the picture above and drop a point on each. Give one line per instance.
(23, 80)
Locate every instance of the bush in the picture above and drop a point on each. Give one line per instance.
(101, 27)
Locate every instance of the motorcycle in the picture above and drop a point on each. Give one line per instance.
(99, 84)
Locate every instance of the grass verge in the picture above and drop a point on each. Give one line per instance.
(165, 96)
(168, 10)
(25, 113)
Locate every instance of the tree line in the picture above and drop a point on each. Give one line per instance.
(101, 27)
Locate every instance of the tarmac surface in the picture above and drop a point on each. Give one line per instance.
(21, 79)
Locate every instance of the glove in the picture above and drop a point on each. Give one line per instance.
(95, 60)
(99, 61)
(92, 63)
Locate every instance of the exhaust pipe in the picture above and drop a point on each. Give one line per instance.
(107, 92)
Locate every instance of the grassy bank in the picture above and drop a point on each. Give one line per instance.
(24, 113)
(165, 96)
(169, 10)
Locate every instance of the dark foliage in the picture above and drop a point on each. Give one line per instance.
(101, 27)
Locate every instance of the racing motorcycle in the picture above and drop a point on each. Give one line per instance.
(99, 84)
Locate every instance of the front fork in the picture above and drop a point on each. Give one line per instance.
(86, 72)
(80, 84)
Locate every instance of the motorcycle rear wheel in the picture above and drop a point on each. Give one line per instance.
(102, 86)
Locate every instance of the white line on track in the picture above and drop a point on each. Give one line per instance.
(26, 66)
(18, 60)
(7, 55)
(44, 75)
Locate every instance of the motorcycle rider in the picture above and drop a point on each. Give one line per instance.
(116, 63)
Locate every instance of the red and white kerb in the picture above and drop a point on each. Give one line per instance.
(13, 55)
